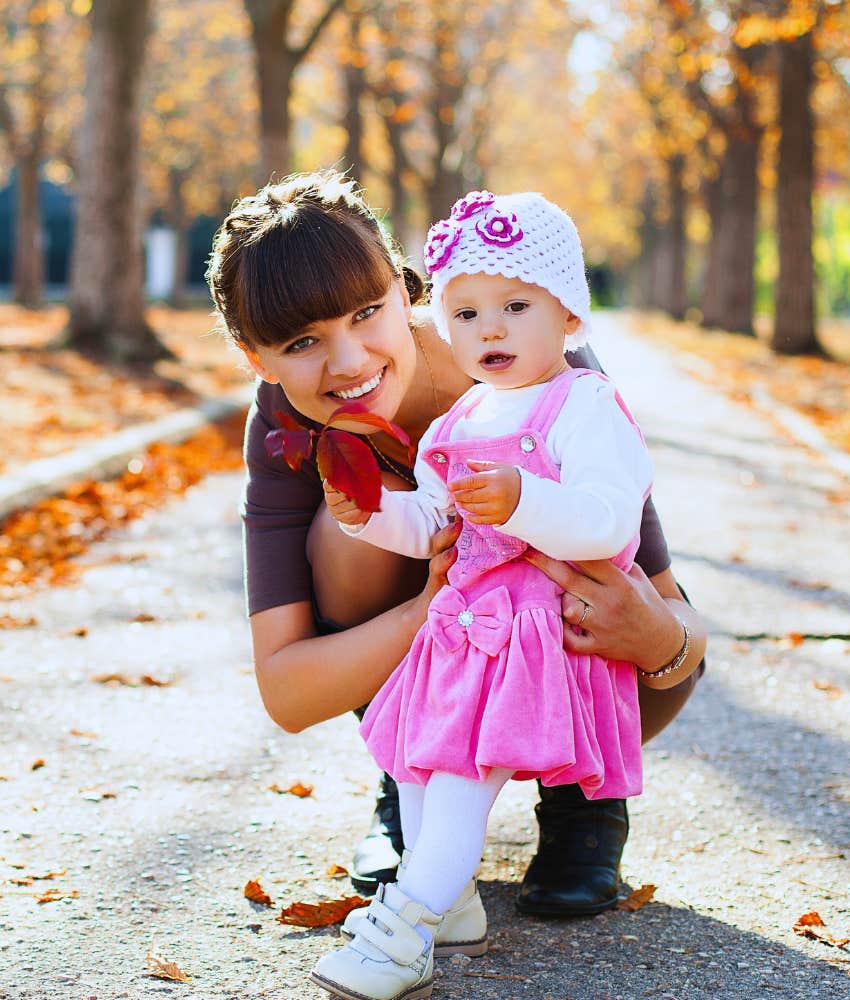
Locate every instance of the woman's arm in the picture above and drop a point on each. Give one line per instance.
(631, 616)
(305, 678)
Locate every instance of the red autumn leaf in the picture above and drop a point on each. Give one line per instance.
(358, 413)
(255, 892)
(635, 900)
(291, 442)
(323, 914)
(350, 466)
(336, 871)
(811, 919)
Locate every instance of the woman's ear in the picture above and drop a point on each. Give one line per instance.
(254, 361)
(405, 298)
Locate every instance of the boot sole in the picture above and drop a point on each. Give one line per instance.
(419, 992)
(553, 910)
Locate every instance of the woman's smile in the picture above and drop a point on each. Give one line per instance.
(364, 390)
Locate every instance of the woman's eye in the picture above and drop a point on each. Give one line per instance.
(517, 307)
(362, 314)
(299, 345)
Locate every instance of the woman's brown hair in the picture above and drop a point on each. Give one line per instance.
(297, 252)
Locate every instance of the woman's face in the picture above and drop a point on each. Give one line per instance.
(367, 355)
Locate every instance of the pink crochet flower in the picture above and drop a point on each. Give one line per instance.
(469, 204)
(499, 230)
(442, 237)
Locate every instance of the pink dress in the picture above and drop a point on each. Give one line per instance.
(487, 682)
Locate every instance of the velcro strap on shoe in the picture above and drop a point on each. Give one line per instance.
(391, 935)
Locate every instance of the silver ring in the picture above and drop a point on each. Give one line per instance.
(584, 614)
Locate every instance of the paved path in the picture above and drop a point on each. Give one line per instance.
(743, 826)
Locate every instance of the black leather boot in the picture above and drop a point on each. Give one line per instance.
(379, 853)
(576, 870)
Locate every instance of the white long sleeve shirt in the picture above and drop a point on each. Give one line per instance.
(591, 513)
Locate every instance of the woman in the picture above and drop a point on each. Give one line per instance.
(310, 288)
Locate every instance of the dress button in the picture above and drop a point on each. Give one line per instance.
(438, 456)
(527, 443)
(466, 618)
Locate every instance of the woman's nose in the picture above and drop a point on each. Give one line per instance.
(347, 355)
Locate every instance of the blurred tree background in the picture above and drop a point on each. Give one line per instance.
(702, 146)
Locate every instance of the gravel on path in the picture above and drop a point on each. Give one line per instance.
(154, 801)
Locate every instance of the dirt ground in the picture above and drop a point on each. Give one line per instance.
(152, 807)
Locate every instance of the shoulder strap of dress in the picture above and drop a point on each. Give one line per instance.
(465, 404)
(552, 399)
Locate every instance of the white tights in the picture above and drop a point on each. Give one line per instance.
(444, 825)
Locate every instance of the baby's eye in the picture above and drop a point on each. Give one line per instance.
(465, 314)
(299, 345)
(517, 307)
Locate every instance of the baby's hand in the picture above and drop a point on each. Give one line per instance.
(490, 495)
(343, 508)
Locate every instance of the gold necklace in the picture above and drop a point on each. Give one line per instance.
(394, 467)
(421, 346)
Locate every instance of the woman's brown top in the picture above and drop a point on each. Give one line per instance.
(279, 506)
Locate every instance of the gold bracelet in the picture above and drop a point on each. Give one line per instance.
(677, 660)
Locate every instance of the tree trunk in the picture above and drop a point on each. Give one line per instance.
(729, 292)
(644, 269)
(670, 291)
(29, 246)
(355, 90)
(712, 192)
(794, 329)
(275, 70)
(106, 303)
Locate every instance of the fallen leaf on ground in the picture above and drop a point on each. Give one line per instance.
(53, 894)
(83, 733)
(795, 638)
(830, 689)
(337, 871)
(302, 791)
(810, 925)
(255, 892)
(36, 764)
(81, 632)
(7, 621)
(160, 968)
(144, 680)
(635, 900)
(143, 618)
(322, 914)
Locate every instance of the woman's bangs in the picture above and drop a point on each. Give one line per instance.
(314, 270)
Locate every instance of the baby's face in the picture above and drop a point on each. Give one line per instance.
(504, 331)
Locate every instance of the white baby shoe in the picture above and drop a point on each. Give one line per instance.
(462, 931)
(387, 959)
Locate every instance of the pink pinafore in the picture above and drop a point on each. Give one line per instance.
(487, 682)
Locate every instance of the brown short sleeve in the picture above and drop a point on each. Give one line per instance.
(278, 509)
(652, 556)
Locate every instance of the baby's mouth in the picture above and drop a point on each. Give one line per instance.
(496, 361)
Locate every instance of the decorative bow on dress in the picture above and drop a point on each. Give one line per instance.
(485, 623)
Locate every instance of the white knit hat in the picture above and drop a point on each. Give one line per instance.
(517, 236)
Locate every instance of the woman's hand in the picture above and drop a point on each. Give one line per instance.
(490, 495)
(625, 616)
(343, 508)
(442, 545)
